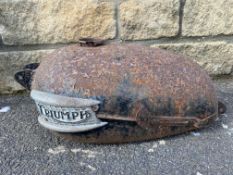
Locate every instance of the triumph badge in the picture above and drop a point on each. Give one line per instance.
(66, 114)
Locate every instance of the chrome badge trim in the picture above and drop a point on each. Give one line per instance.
(66, 114)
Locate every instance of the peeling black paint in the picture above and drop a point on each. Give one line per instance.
(198, 107)
(163, 107)
(31, 66)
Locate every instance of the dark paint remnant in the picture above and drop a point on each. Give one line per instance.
(170, 107)
(163, 107)
(174, 128)
(123, 127)
(123, 105)
(116, 131)
(199, 107)
(31, 66)
(126, 96)
(117, 105)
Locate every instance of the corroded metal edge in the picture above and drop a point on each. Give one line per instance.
(127, 131)
(124, 132)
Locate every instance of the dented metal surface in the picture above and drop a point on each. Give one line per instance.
(144, 93)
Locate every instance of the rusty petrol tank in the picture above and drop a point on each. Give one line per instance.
(114, 93)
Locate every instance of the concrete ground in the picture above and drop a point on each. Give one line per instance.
(27, 148)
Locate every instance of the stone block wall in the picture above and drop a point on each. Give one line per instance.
(30, 29)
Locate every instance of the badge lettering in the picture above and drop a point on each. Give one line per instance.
(64, 114)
